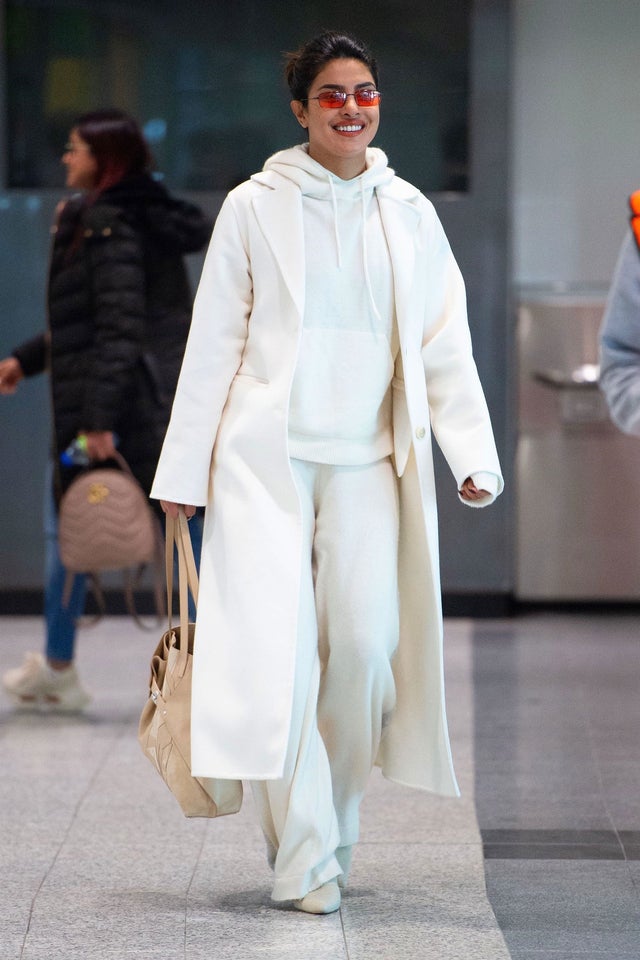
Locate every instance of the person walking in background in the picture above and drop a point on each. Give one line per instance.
(119, 307)
(620, 332)
(329, 328)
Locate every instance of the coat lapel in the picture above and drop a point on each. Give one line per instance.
(285, 235)
(400, 220)
(279, 214)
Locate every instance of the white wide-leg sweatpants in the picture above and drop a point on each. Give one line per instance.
(344, 687)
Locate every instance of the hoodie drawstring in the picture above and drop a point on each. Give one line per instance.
(336, 230)
(365, 254)
(365, 257)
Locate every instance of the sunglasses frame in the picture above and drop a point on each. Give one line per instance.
(344, 96)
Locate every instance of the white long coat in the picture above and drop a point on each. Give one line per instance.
(226, 447)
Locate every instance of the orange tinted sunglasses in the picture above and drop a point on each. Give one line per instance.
(334, 99)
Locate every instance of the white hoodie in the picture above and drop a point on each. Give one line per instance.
(340, 405)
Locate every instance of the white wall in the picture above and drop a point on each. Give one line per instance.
(575, 137)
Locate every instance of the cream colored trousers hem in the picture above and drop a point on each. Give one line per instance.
(347, 635)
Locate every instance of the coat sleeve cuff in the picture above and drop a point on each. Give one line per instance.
(484, 480)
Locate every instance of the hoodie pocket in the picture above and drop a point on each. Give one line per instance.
(341, 384)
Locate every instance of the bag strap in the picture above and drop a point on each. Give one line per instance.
(122, 463)
(131, 581)
(177, 534)
(133, 577)
(93, 581)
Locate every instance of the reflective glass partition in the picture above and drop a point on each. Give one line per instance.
(204, 77)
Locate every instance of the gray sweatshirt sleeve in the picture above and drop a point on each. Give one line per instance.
(620, 341)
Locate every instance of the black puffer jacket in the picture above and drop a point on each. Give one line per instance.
(119, 311)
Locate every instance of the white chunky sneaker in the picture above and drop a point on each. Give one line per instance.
(35, 685)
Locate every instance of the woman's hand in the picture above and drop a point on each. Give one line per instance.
(172, 509)
(10, 375)
(469, 491)
(100, 445)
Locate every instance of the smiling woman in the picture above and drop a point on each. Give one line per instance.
(329, 331)
(341, 114)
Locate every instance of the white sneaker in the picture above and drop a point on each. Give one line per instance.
(35, 685)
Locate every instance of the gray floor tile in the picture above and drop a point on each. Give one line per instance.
(419, 901)
(230, 909)
(11, 945)
(630, 840)
(624, 811)
(556, 851)
(268, 933)
(96, 841)
(425, 817)
(554, 845)
(565, 905)
(557, 723)
(508, 807)
(606, 954)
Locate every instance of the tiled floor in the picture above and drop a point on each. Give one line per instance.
(97, 861)
(557, 748)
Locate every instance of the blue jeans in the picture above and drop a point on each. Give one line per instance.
(61, 621)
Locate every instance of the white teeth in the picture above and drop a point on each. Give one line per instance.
(352, 128)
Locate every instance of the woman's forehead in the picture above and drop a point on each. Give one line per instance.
(342, 72)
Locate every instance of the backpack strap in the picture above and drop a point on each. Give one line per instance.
(133, 576)
(93, 582)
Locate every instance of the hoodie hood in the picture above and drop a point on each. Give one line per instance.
(314, 180)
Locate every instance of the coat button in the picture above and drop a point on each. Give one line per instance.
(420, 432)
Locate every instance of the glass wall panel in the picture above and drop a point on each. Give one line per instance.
(204, 77)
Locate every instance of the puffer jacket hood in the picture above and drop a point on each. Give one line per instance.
(172, 225)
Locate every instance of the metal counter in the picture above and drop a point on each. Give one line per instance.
(578, 477)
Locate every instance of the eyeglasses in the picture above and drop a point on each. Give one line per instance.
(75, 147)
(334, 99)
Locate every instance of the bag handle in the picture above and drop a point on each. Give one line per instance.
(131, 580)
(178, 533)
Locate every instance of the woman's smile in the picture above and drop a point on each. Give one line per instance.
(349, 129)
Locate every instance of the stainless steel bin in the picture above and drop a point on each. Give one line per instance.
(578, 477)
